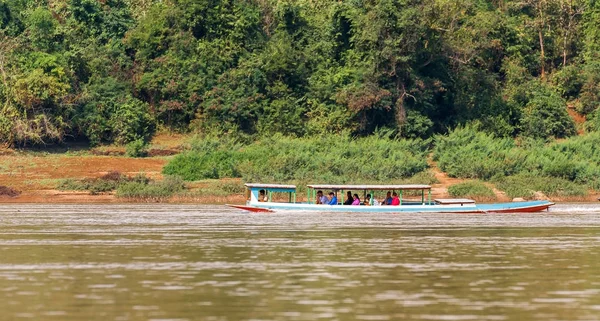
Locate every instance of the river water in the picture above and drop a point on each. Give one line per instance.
(175, 262)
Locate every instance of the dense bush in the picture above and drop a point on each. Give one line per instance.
(137, 148)
(333, 159)
(472, 189)
(94, 186)
(153, 190)
(467, 153)
(138, 186)
(525, 186)
(112, 71)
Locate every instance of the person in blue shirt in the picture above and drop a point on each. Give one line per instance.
(388, 199)
(332, 199)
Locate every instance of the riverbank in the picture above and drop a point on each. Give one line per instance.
(37, 175)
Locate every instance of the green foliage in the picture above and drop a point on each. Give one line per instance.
(593, 124)
(425, 177)
(94, 186)
(138, 186)
(112, 71)
(544, 113)
(525, 186)
(154, 190)
(196, 165)
(467, 153)
(137, 148)
(472, 189)
(132, 121)
(334, 158)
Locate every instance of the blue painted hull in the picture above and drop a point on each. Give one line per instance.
(514, 207)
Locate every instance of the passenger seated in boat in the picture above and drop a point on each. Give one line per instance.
(388, 199)
(367, 200)
(262, 196)
(349, 200)
(395, 199)
(322, 199)
(333, 198)
(356, 200)
(371, 200)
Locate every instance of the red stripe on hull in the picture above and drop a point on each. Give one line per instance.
(250, 208)
(523, 209)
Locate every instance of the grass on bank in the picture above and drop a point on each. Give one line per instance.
(336, 159)
(136, 187)
(151, 190)
(476, 190)
(561, 168)
(526, 186)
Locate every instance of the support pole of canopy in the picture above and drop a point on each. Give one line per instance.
(423, 196)
(400, 197)
(429, 196)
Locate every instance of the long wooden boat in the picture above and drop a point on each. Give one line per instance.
(413, 199)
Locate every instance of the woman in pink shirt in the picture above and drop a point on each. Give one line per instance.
(395, 199)
(356, 200)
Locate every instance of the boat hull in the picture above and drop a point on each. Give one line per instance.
(514, 207)
(250, 208)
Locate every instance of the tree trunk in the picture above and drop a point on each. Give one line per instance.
(542, 57)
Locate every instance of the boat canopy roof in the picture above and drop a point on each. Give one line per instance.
(271, 186)
(371, 187)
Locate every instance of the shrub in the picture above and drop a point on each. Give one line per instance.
(106, 183)
(593, 122)
(137, 148)
(545, 116)
(132, 121)
(94, 186)
(526, 185)
(154, 190)
(468, 153)
(472, 189)
(334, 159)
(113, 176)
(196, 165)
(70, 184)
(9, 191)
(425, 177)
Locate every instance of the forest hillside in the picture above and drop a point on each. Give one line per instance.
(115, 71)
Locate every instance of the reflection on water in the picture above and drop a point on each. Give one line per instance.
(166, 262)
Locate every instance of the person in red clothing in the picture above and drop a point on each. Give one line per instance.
(395, 199)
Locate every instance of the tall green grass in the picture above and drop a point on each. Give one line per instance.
(525, 186)
(472, 189)
(334, 159)
(467, 153)
(151, 190)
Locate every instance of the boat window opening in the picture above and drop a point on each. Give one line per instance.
(282, 196)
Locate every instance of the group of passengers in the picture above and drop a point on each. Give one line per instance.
(390, 199)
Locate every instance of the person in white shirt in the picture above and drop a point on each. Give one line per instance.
(321, 198)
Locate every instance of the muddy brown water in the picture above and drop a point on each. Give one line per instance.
(176, 262)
